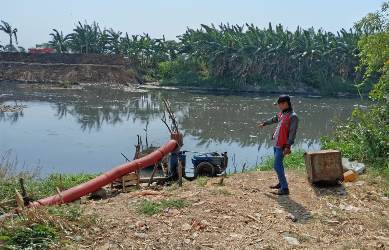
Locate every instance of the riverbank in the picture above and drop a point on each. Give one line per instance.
(306, 92)
(238, 213)
(232, 212)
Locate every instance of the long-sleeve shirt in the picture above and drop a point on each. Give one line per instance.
(292, 128)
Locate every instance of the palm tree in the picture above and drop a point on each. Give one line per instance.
(59, 42)
(7, 28)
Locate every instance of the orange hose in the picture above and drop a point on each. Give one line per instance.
(102, 180)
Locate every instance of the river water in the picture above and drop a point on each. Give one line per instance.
(86, 130)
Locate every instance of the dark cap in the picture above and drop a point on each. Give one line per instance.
(282, 98)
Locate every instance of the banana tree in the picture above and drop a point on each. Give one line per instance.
(59, 42)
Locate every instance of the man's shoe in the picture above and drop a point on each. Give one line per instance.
(278, 186)
(283, 191)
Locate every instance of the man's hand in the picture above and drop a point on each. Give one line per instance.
(261, 125)
(287, 150)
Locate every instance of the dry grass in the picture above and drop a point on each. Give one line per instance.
(244, 215)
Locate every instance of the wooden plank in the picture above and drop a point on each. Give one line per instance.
(152, 174)
(180, 169)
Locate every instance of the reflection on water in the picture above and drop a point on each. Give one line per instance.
(86, 130)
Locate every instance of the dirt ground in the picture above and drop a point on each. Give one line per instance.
(242, 213)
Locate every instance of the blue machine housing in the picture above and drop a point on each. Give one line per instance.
(219, 161)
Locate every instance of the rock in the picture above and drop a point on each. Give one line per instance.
(172, 211)
(236, 236)
(186, 227)
(204, 223)
(198, 203)
(357, 167)
(195, 235)
(141, 235)
(349, 208)
(78, 238)
(187, 241)
(291, 217)
(292, 240)
(277, 211)
(141, 226)
(360, 183)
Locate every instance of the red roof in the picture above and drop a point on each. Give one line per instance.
(41, 50)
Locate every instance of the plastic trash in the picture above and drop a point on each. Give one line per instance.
(357, 167)
(350, 176)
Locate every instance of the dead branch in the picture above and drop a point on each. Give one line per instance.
(172, 117)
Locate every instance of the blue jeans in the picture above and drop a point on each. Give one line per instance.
(279, 167)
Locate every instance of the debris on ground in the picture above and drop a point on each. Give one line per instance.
(350, 176)
(11, 108)
(292, 240)
(355, 166)
(242, 214)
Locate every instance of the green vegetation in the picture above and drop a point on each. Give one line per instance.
(243, 56)
(293, 161)
(43, 228)
(230, 56)
(40, 188)
(36, 237)
(150, 207)
(365, 136)
(202, 181)
(36, 187)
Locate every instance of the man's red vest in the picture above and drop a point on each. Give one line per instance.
(283, 133)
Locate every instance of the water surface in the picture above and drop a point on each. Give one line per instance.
(85, 130)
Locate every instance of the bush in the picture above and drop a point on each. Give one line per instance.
(365, 136)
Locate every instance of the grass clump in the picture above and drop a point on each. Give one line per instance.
(293, 161)
(220, 191)
(151, 207)
(35, 237)
(44, 227)
(202, 181)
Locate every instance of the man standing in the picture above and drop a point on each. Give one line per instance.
(282, 139)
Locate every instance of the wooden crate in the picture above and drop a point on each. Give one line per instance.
(324, 166)
(127, 182)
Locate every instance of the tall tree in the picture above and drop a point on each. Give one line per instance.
(11, 32)
(58, 41)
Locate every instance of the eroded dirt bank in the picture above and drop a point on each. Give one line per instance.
(66, 68)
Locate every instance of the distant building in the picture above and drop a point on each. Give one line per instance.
(41, 50)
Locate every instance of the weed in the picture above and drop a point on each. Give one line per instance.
(201, 181)
(72, 212)
(220, 191)
(35, 237)
(172, 187)
(174, 203)
(39, 228)
(150, 207)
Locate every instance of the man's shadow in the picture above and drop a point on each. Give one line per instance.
(299, 213)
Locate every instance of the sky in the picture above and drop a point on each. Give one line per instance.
(36, 19)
